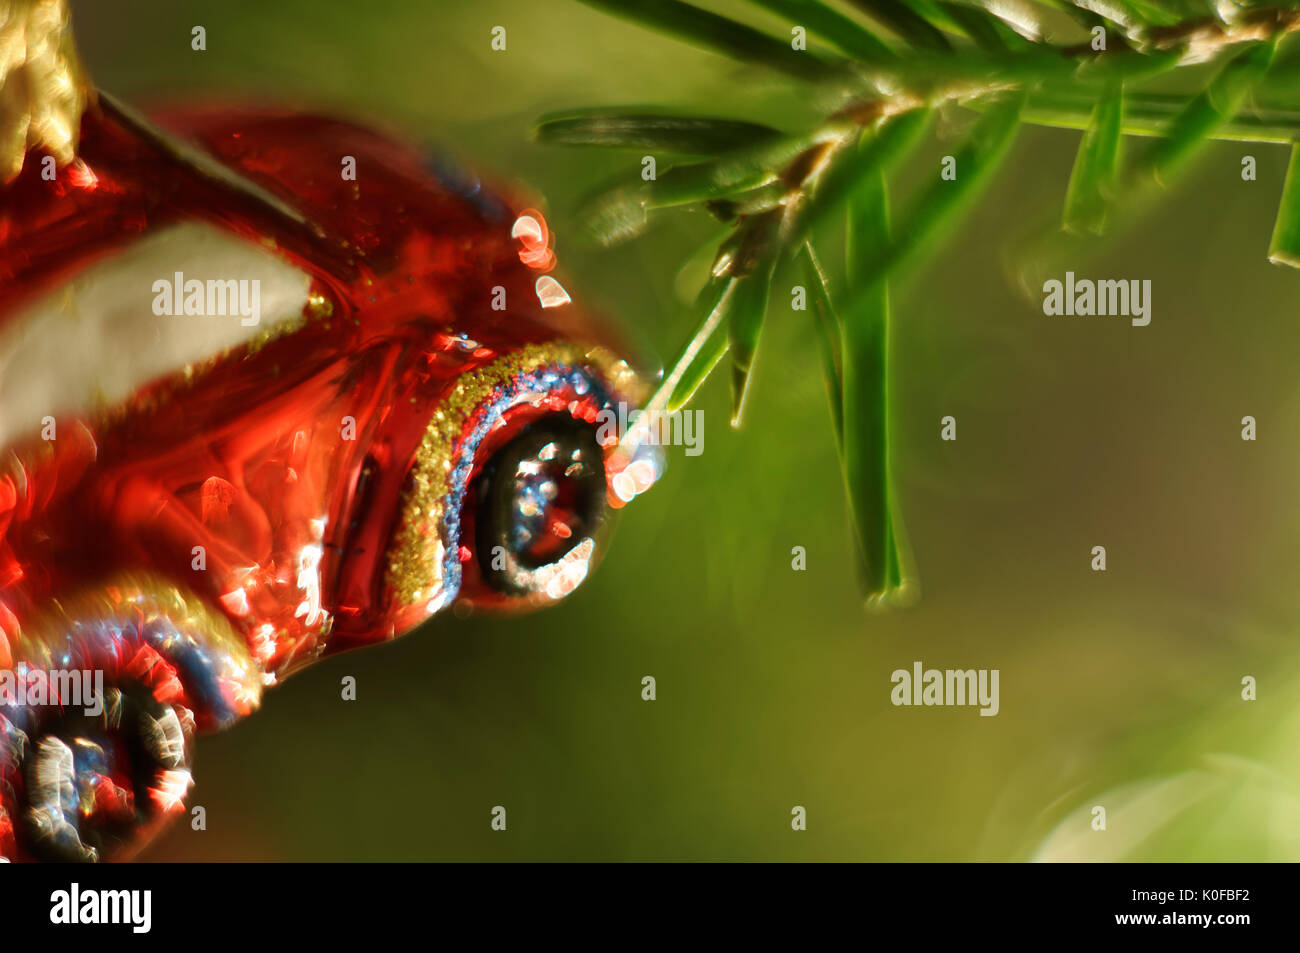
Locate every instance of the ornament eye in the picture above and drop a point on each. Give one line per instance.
(538, 507)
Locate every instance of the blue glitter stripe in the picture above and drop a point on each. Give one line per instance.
(88, 643)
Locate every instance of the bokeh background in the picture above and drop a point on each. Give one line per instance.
(1120, 688)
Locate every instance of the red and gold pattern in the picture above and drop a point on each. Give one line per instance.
(283, 488)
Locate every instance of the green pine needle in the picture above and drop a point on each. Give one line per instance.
(1092, 183)
(1284, 248)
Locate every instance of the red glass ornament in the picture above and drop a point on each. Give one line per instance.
(376, 387)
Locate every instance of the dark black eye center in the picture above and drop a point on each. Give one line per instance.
(539, 499)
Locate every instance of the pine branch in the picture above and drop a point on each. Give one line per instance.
(888, 65)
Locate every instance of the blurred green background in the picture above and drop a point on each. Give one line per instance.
(1120, 689)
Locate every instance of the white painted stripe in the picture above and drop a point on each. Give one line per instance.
(89, 344)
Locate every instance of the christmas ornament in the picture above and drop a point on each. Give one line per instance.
(271, 387)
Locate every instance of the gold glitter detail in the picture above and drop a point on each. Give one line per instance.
(43, 88)
(416, 557)
(317, 309)
(318, 306)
